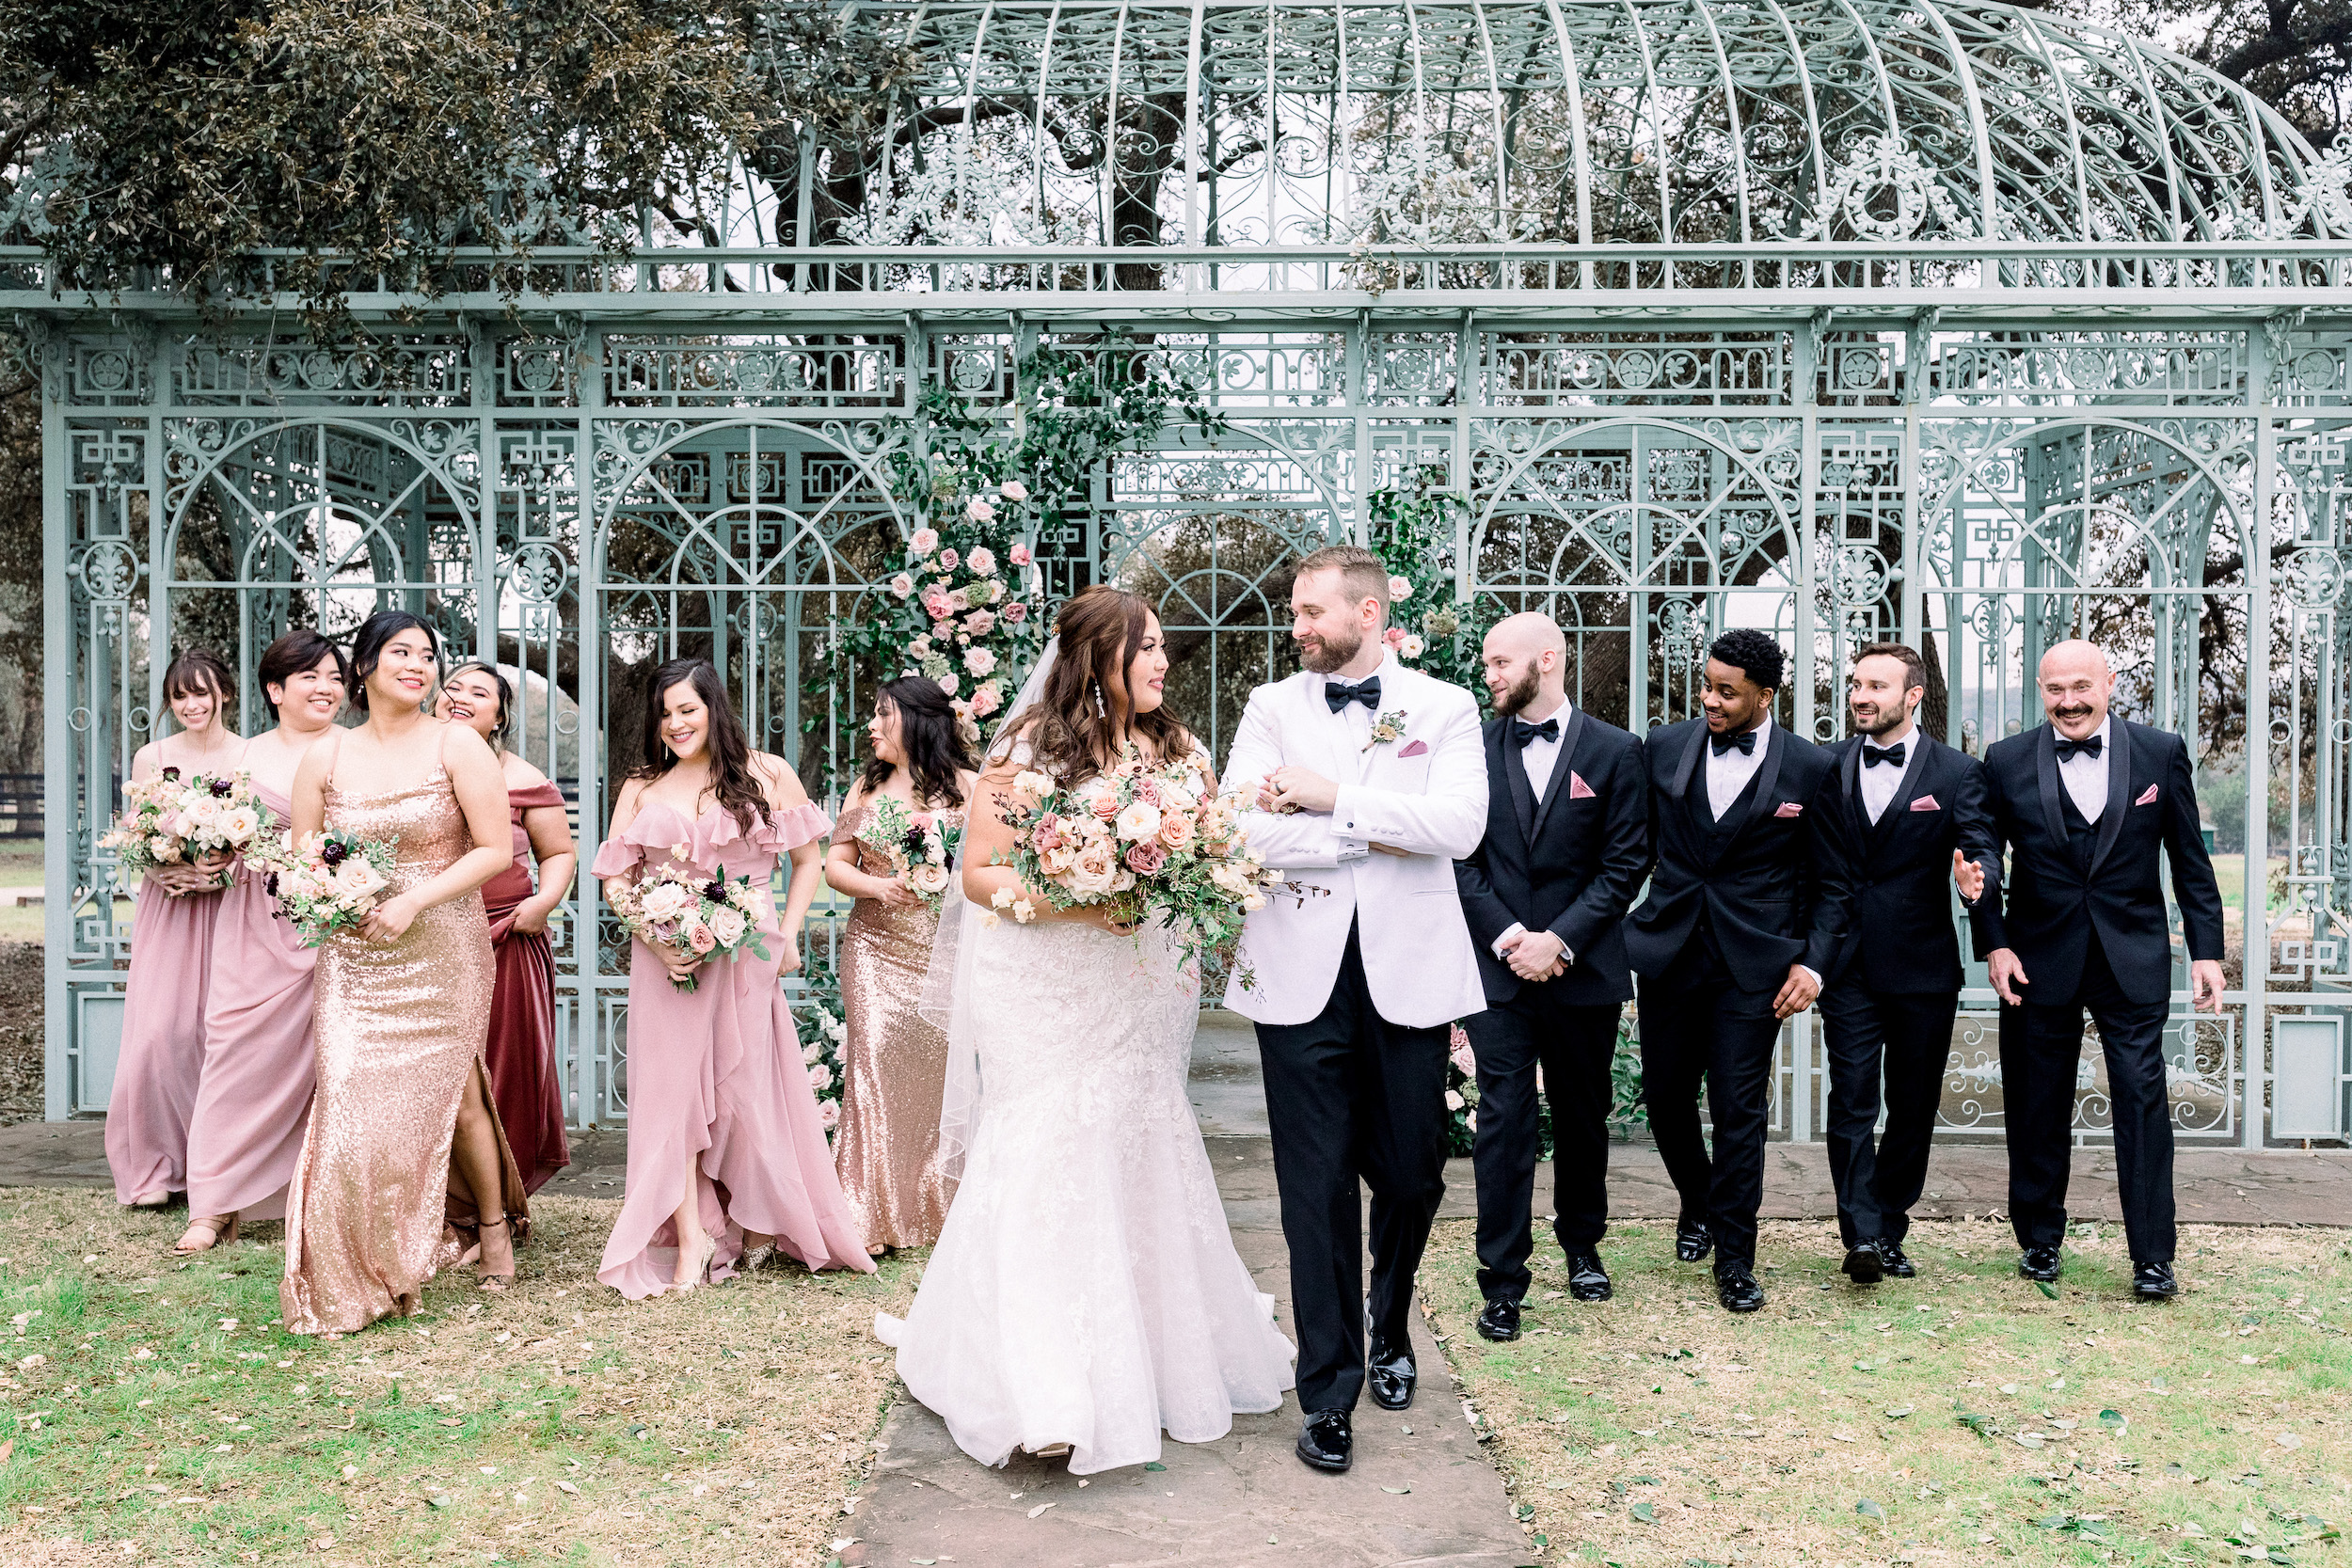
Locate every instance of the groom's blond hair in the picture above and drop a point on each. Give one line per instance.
(1361, 573)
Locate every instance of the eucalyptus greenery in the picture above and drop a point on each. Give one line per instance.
(1413, 532)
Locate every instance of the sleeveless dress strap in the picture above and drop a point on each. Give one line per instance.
(334, 756)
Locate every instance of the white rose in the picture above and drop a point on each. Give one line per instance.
(728, 926)
(1138, 819)
(928, 879)
(1013, 490)
(979, 511)
(981, 661)
(1400, 589)
(356, 878)
(1032, 785)
(666, 902)
(820, 1077)
(1412, 647)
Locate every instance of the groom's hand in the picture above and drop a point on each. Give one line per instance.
(1301, 789)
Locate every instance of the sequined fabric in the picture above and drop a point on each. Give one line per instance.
(400, 1026)
(894, 1066)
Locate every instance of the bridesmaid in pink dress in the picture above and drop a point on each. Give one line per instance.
(521, 1053)
(255, 1095)
(162, 1054)
(727, 1160)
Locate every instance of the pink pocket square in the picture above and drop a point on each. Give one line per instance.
(1415, 748)
(1925, 803)
(1578, 788)
(2145, 796)
(1790, 808)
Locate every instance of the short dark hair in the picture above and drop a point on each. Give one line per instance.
(1915, 668)
(367, 646)
(198, 670)
(296, 652)
(1755, 654)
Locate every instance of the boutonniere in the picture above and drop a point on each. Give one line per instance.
(1386, 730)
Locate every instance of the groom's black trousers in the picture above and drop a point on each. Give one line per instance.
(1352, 1095)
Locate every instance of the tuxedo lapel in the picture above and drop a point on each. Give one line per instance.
(1751, 800)
(2046, 775)
(1514, 771)
(1688, 765)
(1913, 784)
(1563, 765)
(2119, 793)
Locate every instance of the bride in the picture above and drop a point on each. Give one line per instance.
(1085, 1293)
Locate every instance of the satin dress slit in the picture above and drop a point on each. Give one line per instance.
(521, 1048)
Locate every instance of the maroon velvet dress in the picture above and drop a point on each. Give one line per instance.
(521, 1048)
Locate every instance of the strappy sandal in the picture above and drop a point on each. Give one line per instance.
(218, 1231)
(702, 1268)
(495, 1282)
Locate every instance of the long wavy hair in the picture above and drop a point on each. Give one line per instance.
(1085, 704)
(932, 737)
(732, 780)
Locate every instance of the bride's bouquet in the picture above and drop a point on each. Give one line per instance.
(327, 882)
(1144, 839)
(678, 903)
(168, 820)
(921, 845)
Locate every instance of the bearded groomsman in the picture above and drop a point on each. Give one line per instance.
(1746, 908)
(1905, 809)
(2085, 806)
(1566, 847)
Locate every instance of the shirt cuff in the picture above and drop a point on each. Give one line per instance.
(1515, 931)
(1815, 972)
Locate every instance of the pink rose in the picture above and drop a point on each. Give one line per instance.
(985, 700)
(935, 603)
(923, 541)
(980, 621)
(1145, 857)
(1014, 613)
(701, 938)
(1176, 829)
(1104, 803)
(1018, 555)
(1047, 833)
(1393, 637)
(948, 559)
(1148, 791)
(958, 601)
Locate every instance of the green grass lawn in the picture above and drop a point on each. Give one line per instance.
(1958, 1418)
(155, 1408)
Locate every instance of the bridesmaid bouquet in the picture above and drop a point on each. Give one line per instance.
(1143, 839)
(921, 845)
(168, 820)
(677, 902)
(329, 882)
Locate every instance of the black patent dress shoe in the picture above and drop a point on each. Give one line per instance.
(2154, 1281)
(1898, 1266)
(2040, 1263)
(1736, 1288)
(1691, 1242)
(1326, 1442)
(1863, 1265)
(1501, 1319)
(1587, 1280)
(1390, 1376)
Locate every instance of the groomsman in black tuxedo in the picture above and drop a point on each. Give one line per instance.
(1906, 809)
(1746, 908)
(1566, 847)
(2086, 805)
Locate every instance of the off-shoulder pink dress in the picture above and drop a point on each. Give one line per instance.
(716, 1072)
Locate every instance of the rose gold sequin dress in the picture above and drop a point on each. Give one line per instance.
(400, 1027)
(894, 1065)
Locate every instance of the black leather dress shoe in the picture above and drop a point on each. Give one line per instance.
(1891, 1254)
(1325, 1441)
(1501, 1319)
(1390, 1374)
(1736, 1288)
(2154, 1281)
(2038, 1264)
(1691, 1242)
(1587, 1280)
(1863, 1265)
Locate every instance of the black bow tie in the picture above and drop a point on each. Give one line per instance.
(1339, 695)
(1744, 743)
(1522, 731)
(2089, 746)
(1873, 755)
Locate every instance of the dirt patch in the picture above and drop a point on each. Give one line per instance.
(21, 1032)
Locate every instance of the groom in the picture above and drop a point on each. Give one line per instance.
(1371, 783)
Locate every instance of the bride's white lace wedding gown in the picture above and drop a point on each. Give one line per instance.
(1085, 1289)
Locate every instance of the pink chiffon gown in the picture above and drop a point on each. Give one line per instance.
(254, 1098)
(161, 1060)
(716, 1073)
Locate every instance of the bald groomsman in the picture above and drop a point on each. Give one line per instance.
(2087, 805)
(1565, 846)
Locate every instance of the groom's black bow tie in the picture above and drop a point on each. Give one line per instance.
(2089, 746)
(1744, 743)
(1338, 694)
(1873, 755)
(1522, 733)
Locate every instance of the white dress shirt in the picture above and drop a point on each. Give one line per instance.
(1728, 774)
(1541, 760)
(1881, 784)
(1356, 719)
(2086, 776)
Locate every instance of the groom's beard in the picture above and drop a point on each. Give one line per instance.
(1516, 697)
(1326, 653)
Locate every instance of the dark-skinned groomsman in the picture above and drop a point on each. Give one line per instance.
(1906, 809)
(1566, 847)
(1747, 905)
(2086, 805)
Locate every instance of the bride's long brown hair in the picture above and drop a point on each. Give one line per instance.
(1070, 727)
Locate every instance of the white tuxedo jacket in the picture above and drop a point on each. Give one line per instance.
(1425, 792)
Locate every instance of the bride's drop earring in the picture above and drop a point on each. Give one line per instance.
(1100, 708)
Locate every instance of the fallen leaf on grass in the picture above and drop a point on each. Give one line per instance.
(2046, 1288)
(1897, 1412)
(1039, 1509)
(1870, 1511)
(1397, 1491)
(1644, 1513)
(568, 1486)
(1154, 1465)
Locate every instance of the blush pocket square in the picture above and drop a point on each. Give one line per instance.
(2146, 796)
(1415, 748)
(1789, 808)
(1925, 803)
(1578, 788)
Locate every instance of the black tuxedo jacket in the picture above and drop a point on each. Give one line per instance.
(2049, 905)
(1570, 863)
(1899, 938)
(1767, 877)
